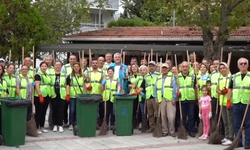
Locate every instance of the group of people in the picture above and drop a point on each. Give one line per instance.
(200, 90)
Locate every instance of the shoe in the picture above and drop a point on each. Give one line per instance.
(44, 131)
(60, 129)
(205, 137)
(192, 134)
(70, 128)
(65, 125)
(150, 130)
(227, 143)
(55, 128)
(201, 137)
(224, 140)
(247, 146)
(173, 134)
(39, 132)
(164, 134)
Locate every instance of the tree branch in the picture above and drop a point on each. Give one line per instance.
(236, 4)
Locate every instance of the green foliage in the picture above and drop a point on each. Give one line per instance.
(132, 8)
(62, 17)
(20, 26)
(224, 14)
(134, 22)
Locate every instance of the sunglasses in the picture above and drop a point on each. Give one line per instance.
(243, 63)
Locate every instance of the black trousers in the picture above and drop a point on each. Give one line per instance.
(29, 112)
(214, 103)
(177, 116)
(65, 112)
(109, 113)
(41, 109)
(135, 106)
(57, 109)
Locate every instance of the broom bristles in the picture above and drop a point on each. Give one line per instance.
(144, 127)
(104, 128)
(235, 141)
(215, 137)
(182, 133)
(200, 129)
(157, 131)
(214, 124)
(31, 128)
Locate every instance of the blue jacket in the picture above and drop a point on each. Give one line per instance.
(123, 72)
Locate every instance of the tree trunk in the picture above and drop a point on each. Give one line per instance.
(208, 43)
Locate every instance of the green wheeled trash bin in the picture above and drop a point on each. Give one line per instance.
(14, 117)
(123, 106)
(86, 112)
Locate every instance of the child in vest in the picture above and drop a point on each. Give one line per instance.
(205, 111)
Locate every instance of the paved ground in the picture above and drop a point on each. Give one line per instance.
(139, 141)
(67, 141)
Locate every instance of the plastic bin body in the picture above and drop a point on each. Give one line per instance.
(123, 106)
(86, 117)
(13, 124)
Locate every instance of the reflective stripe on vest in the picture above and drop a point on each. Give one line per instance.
(214, 82)
(187, 87)
(11, 84)
(222, 84)
(74, 87)
(62, 86)
(149, 84)
(110, 89)
(96, 81)
(44, 85)
(168, 87)
(23, 86)
(3, 88)
(134, 80)
(241, 88)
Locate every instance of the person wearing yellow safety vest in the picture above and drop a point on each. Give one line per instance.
(214, 80)
(238, 96)
(10, 78)
(187, 96)
(110, 86)
(133, 80)
(165, 96)
(3, 93)
(175, 72)
(227, 114)
(42, 96)
(141, 88)
(50, 72)
(59, 93)
(27, 62)
(76, 80)
(24, 90)
(152, 107)
(67, 69)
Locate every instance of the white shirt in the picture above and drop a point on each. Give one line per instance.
(117, 69)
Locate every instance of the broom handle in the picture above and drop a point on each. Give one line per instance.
(166, 58)
(148, 59)
(105, 110)
(245, 114)
(196, 79)
(221, 54)
(151, 55)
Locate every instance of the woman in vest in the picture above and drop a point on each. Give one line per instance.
(42, 96)
(132, 84)
(24, 89)
(76, 87)
(10, 78)
(227, 113)
(111, 86)
(3, 93)
(58, 96)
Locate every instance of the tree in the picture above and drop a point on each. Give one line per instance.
(208, 14)
(20, 26)
(62, 17)
(132, 8)
(133, 22)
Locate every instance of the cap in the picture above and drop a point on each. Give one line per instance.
(1, 59)
(165, 65)
(152, 63)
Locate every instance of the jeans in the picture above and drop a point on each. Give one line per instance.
(72, 111)
(188, 114)
(238, 113)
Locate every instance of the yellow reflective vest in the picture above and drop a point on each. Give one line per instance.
(168, 87)
(187, 87)
(110, 89)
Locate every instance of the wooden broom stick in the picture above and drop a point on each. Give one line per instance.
(148, 58)
(10, 56)
(188, 57)
(22, 55)
(156, 55)
(221, 54)
(166, 58)
(151, 55)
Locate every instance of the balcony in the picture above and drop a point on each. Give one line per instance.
(112, 5)
(90, 26)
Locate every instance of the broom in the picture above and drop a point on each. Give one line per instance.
(214, 121)
(104, 127)
(237, 139)
(31, 129)
(144, 127)
(158, 130)
(182, 133)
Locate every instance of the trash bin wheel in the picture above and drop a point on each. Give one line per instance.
(75, 131)
(1, 140)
